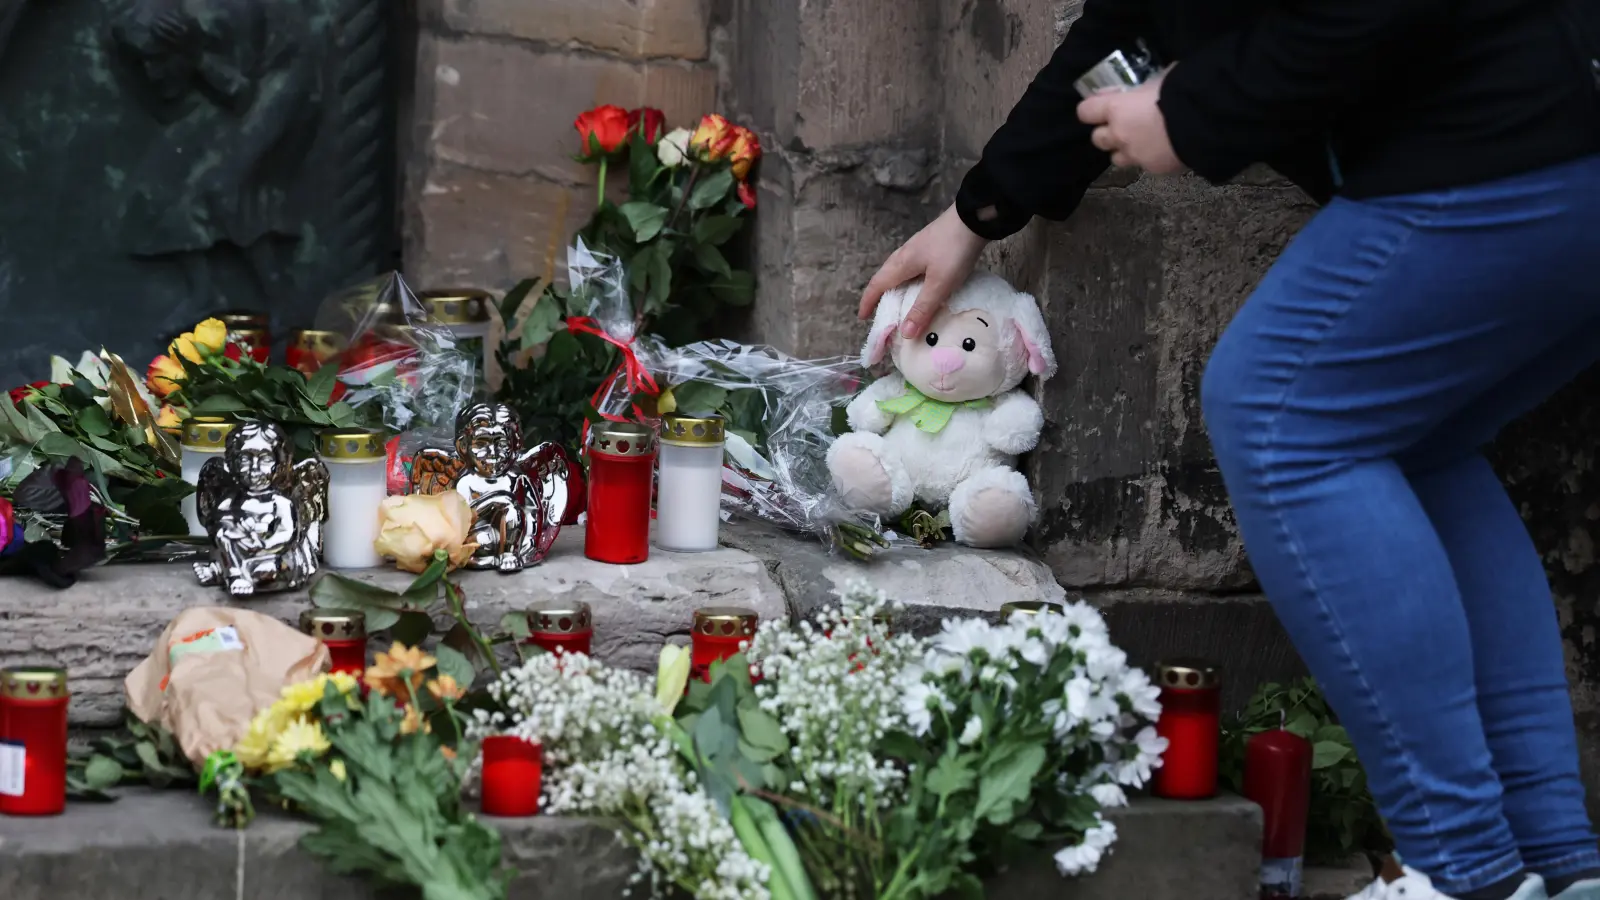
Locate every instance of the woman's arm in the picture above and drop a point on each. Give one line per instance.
(1040, 162)
(1280, 80)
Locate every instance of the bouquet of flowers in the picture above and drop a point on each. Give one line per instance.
(861, 764)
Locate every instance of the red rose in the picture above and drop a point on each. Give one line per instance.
(602, 129)
(648, 121)
(18, 394)
(747, 195)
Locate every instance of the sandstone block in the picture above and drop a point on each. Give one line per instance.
(868, 72)
(998, 46)
(509, 108)
(106, 624)
(638, 29)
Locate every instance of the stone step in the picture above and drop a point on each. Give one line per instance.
(163, 846)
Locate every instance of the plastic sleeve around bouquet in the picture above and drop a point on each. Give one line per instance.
(400, 372)
(781, 413)
(598, 289)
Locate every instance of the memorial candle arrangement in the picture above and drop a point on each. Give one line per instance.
(204, 437)
(309, 349)
(357, 485)
(719, 633)
(689, 493)
(250, 331)
(33, 741)
(1277, 776)
(513, 776)
(560, 627)
(343, 632)
(1191, 721)
(622, 459)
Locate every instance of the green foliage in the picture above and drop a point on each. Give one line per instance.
(552, 392)
(273, 393)
(1343, 817)
(138, 754)
(397, 813)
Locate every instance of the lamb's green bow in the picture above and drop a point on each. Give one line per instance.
(927, 413)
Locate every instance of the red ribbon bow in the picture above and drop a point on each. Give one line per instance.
(639, 379)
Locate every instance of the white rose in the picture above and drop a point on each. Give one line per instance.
(672, 149)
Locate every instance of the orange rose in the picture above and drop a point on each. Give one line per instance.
(745, 152)
(747, 195)
(713, 139)
(602, 129)
(164, 376)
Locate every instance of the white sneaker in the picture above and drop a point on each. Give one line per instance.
(1416, 886)
(1583, 890)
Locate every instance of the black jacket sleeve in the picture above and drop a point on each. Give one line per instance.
(1040, 162)
(1282, 79)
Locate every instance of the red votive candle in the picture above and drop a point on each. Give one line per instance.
(560, 627)
(513, 775)
(343, 632)
(1191, 721)
(309, 349)
(249, 331)
(1277, 776)
(33, 741)
(718, 632)
(622, 458)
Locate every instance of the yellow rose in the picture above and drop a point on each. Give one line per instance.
(412, 526)
(745, 151)
(713, 139)
(168, 418)
(207, 339)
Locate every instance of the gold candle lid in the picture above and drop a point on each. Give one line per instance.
(33, 683)
(559, 617)
(725, 621)
(243, 320)
(207, 432)
(1030, 608)
(334, 624)
(622, 439)
(457, 306)
(1188, 674)
(692, 431)
(317, 341)
(350, 445)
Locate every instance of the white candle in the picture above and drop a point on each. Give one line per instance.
(204, 437)
(689, 486)
(357, 484)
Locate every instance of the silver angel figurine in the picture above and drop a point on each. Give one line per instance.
(518, 498)
(263, 511)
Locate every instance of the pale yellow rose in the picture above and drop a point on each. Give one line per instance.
(412, 526)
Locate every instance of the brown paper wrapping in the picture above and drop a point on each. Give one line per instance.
(208, 698)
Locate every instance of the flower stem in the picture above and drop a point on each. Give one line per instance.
(600, 192)
(459, 612)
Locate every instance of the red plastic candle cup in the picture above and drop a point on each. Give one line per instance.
(622, 458)
(33, 741)
(513, 775)
(559, 627)
(1277, 776)
(344, 633)
(719, 632)
(249, 331)
(1191, 721)
(309, 349)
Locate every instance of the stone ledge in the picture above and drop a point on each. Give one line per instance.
(163, 846)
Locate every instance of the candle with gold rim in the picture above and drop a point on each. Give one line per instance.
(718, 634)
(33, 741)
(204, 437)
(250, 331)
(464, 312)
(343, 632)
(622, 459)
(310, 348)
(356, 461)
(561, 627)
(689, 489)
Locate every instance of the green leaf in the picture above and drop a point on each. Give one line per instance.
(643, 165)
(737, 288)
(93, 420)
(516, 624)
(59, 446)
(222, 403)
(412, 629)
(715, 230)
(758, 755)
(1008, 783)
(512, 301)
(1328, 753)
(760, 729)
(102, 772)
(699, 396)
(710, 190)
(454, 663)
(646, 219)
(319, 387)
(710, 259)
(951, 776)
(660, 278)
(148, 756)
(543, 323)
(380, 605)
(422, 585)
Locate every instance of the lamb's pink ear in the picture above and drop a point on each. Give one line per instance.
(1035, 340)
(885, 327)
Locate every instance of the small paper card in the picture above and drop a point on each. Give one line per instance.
(13, 761)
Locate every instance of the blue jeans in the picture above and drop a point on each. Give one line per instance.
(1347, 405)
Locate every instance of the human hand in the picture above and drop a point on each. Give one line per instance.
(943, 254)
(1131, 128)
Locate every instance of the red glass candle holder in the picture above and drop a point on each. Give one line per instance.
(561, 627)
(1277, 776)
(622, 459)
(718, 633)
(250, 331)
(33, 741)
(309, 349)
(513, 776)
(1191, 721)
(344, 633)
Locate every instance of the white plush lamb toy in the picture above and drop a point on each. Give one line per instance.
(948, 425)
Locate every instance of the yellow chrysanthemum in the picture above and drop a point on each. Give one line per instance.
(300, 698)
(445, 688)
(257, 742)
(298, 738)
(338, 770)
(399, 672)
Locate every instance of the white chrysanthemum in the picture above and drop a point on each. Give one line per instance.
(1084, 858)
